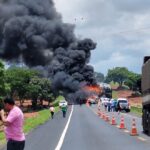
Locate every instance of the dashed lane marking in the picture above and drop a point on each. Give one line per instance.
(141, 138)
(127, 131)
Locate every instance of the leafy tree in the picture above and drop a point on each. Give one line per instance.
(118, 74)
(2, 79)
(18, 80)
(45, 93)
(39, 88)
(133, 81)
(33, 90)
(99, 77)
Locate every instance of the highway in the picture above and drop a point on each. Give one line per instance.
(83, 129)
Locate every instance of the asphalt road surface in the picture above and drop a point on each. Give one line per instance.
(83, 129)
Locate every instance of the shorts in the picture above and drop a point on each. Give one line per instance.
(15, 145)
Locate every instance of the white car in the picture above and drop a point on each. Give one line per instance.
(123, 104)
(63, 102)
(92, 101)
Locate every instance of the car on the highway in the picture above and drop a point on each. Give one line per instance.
(92, 101)
(63, 102)
(123, 104)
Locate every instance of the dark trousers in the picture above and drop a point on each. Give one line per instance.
(52, 114)
(64, 114)
(15, 145)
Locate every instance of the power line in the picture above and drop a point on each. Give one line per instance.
(130, 31)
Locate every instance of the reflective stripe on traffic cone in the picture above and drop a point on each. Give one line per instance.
(87, 103)
(98, 113)
(122, 125)
(113, 121)
(107, 118)
(133, 131)
(103, 117)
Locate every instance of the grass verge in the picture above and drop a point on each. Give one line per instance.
(136, 110)
(43, 116)
(33, 122)
(114, 94)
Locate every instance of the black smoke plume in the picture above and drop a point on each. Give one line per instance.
(33, 31)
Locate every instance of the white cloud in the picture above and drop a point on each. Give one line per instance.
(120, 28)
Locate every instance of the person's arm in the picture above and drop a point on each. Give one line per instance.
(3, 118)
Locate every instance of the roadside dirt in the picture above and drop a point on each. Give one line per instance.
(134, 101)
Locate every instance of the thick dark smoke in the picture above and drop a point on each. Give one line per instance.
(33, 31)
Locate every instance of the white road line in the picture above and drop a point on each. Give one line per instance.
(127, 131)
(142, 139)
(59, 145)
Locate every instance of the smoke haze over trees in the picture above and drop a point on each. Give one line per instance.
(32, 32)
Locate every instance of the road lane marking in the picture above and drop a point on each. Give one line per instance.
(59, 145)
(127, 131)
(142, 139)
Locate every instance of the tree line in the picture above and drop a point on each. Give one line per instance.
(122, 76)
(24, 83)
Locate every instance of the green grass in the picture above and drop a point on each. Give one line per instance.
(114, 84)
(114, 94)
(41, 118)
(2, 136)
(136, 110)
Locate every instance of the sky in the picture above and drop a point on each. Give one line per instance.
(120, 28)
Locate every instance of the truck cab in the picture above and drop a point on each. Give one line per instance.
(146, 95)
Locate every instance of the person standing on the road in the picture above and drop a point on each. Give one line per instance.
(13, 125)
(118, 107)
(105, 105)
(99, 105)
(109, 105)
(112, 105)
(64, 110)
(52, 110)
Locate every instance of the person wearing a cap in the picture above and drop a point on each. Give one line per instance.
(13, 125)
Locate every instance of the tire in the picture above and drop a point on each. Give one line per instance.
(127, 110)
(148, 124)
(144, 121)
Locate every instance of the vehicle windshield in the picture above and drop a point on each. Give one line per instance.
(122, 101)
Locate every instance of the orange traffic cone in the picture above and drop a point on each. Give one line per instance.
(133, 131)
(98, 112)
(122, 125)
(103, 117)
(113, 121)
(87, 103)
(107, 118)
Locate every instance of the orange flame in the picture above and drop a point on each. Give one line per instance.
(96, 89)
